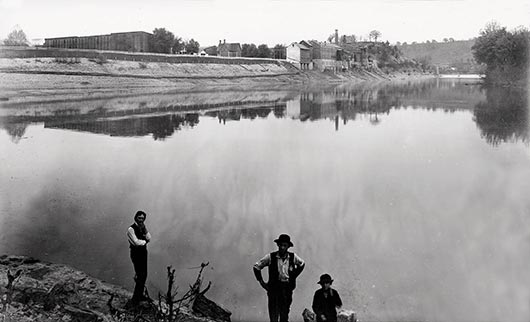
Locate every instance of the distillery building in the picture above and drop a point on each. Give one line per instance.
(136, 41)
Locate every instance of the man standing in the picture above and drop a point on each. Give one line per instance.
(284, 268)
(138, 237)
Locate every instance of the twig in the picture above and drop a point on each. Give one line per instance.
(11, 280)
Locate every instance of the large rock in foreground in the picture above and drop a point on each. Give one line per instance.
(54, 292)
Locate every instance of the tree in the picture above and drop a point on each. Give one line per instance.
(178, 45)
(162, 41)
(279, 51)
(374, 34)
(192, 46)
(16, 37)
(264, 51)
(445, 40)
(505, 53)
(249, 50)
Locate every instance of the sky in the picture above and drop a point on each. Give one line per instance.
(263, 21)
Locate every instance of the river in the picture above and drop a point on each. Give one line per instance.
(413, 196)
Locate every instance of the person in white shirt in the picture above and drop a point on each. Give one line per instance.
(284, 268)
(138, 237)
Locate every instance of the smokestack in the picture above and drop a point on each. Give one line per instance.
(336, 36)
(224, 41)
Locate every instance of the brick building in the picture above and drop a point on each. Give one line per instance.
(229, 49)
(136, 41)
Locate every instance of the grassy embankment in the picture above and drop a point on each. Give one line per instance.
(66, 78)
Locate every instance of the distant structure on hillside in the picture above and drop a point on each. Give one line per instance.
(135, 41)
(229, 49)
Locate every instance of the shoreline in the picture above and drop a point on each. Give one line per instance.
(35, 80)
(47, 292)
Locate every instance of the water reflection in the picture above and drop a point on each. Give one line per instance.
(503, 117)
(160, 127)
(500, 113)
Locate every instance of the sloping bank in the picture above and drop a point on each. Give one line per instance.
(66, 78)
(54, 292)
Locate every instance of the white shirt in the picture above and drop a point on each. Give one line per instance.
(131, 236)
(283, 265)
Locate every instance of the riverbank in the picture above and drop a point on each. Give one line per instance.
(49, 79)
(53, 292)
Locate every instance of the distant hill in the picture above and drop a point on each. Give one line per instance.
(443, 54)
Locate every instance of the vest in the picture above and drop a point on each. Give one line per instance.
(139, 234)
(274, 274)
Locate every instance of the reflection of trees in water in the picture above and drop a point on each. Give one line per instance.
(15, 130)
(246, 113)
(160, 127)
(503, 117)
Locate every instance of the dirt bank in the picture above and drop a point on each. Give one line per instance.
(53, 292)
(48, 79)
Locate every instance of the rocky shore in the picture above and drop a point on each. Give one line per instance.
(33, 290)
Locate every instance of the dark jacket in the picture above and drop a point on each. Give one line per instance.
(325, 303)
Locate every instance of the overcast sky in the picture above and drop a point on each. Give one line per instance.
(263, 21)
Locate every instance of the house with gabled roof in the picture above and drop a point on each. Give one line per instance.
(229, 49)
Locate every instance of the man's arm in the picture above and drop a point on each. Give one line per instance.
(300, 265)
(131, 236)
(148, 237)
(317, 305)
(265, 261)
(338, 300)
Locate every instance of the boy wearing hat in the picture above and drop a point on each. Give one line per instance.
(284, 268)
(326, 300)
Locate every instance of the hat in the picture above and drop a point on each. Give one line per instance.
(284, 239)
(325, 278)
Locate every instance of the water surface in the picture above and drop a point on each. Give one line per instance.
(413, 196)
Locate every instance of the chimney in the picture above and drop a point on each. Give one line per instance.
(219, 41)
(336, 36)
(224, 41)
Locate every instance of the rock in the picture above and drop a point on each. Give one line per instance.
(342, 316)
(52, 292)
(308, 315)
(346, 316)
(207, 308)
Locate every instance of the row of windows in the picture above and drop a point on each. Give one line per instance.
(101, 42)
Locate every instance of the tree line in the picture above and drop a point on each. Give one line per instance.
(504, 52)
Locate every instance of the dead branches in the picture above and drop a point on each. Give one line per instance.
(169, 306)
(11, 280)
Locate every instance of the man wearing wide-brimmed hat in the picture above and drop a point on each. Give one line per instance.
(284, 268)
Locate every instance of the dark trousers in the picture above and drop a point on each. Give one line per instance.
(280, 299)
(139, 260)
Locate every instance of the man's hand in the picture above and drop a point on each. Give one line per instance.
(264, 285)
(323, 317)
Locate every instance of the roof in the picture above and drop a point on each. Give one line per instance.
(301, 46)
(114, 33)
(305, 43)
(235, 46)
